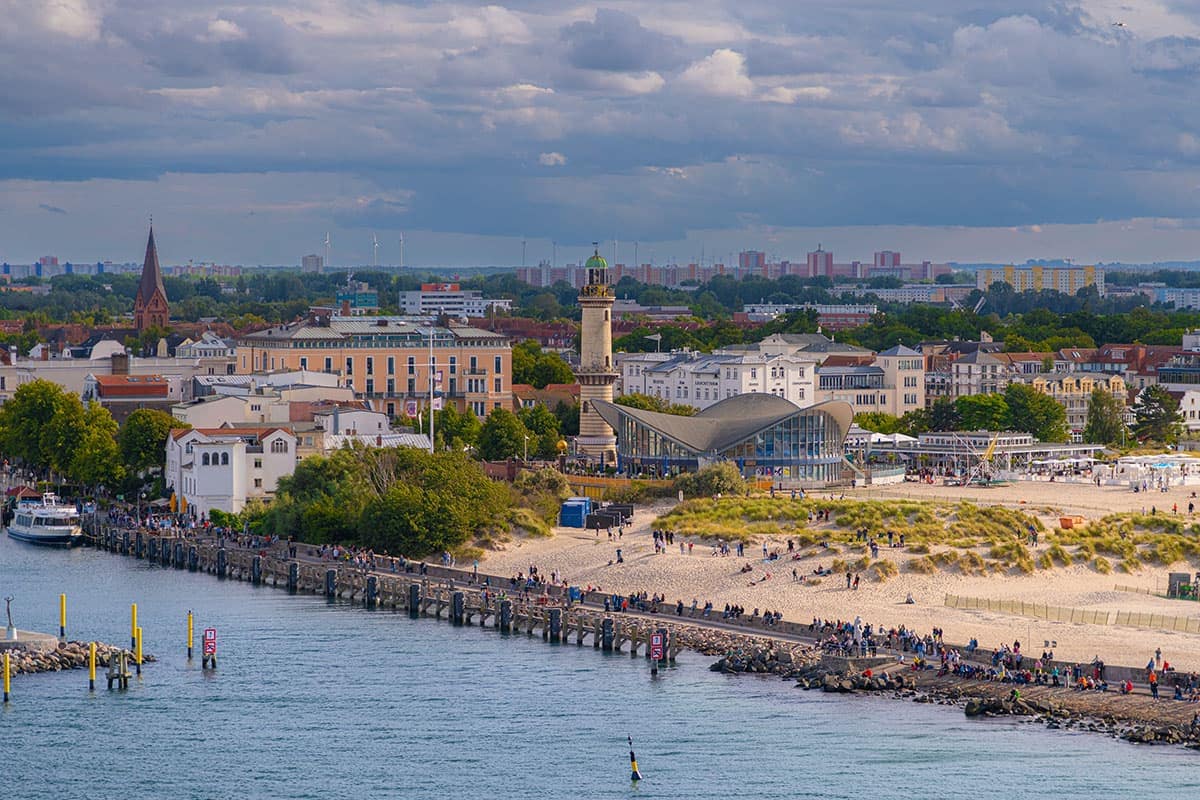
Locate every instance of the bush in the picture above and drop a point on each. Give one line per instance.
(715, 479)
(545, 481)
(882, 569)
(1101, 565)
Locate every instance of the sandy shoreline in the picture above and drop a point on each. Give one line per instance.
(583, 558)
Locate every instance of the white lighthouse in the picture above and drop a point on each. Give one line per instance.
(596, 374)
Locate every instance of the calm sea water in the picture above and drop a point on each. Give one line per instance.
(320, 700)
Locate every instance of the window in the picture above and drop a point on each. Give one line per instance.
(391, 388)
(243, 362)
(279, 446)
(370, 365)
(412, 366)
(329, 365)
(303, 363)
(272, 362)
(498, 368)
(258, 463)
(453, 365)
(258, 483)
(412, 385)
(349, 366)
(391, 364)
(204, 460)
(224, 459)
(499, 384)
(370, 386)
(753, 373)
(474, 364)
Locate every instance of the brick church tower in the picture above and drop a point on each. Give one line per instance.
(150, 308)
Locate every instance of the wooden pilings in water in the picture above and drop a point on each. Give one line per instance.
(419, 595)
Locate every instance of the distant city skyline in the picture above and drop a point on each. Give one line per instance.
(983, 132)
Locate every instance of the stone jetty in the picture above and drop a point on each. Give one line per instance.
(68, 655)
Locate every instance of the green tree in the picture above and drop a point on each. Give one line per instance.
(97, 459)
(456, 429)
(541, 423)
(722, 478)
(502, 436)
(62, 435)
(648, 402)
(27, 423)
(878, 421)
(568, 418)
(982, 412)
(532, 366)
(1105, 418)
(1037, 413)
(917, 421)
(1157, 415)
(944, 416)
(143, 439)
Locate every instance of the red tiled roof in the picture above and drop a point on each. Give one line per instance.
(131, 385)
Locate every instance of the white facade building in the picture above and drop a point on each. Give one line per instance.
(224, 468)
(449, 298)
(698, 379)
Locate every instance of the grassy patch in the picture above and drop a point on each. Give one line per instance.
(1102, 565)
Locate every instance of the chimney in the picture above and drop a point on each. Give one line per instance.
(120, 363)
(337, 417)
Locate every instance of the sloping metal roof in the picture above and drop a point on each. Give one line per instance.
(724, 424)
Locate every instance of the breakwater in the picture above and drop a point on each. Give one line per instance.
(785, 650)
(66, 656)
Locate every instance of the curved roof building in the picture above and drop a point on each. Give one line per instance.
(764, 435)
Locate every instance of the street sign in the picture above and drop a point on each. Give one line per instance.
(210, 641)
(656, 647)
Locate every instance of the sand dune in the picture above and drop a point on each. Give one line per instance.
(584, 559)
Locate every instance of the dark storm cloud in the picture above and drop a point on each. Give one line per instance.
(617, 42)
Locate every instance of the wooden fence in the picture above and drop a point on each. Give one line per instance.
(1129, 619)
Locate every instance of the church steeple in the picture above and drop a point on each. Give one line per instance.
(150, 307)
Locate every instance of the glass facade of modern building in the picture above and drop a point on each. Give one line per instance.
(806, 446)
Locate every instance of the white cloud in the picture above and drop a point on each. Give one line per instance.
(552, 159)
(223, 30)
(74, 18)
(789, 95)
(722, 73)
(626, 82)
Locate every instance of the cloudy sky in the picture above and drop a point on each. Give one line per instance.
(950, 129)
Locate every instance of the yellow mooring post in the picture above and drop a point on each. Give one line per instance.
(138, 652)
(7, 676)
(62, 617)
(190, 630)
(133, 626)
(92, 667)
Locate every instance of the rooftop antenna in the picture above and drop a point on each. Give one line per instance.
(374, 251)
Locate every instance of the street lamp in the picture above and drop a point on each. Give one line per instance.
(526, 458)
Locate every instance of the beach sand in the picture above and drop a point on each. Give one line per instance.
(583, 559)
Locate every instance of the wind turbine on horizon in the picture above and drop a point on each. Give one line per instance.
(326, 248)
(374, 251)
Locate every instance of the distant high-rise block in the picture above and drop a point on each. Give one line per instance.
(312, 263)
(820, 263)
(887, 258)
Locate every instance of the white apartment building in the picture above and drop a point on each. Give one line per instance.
(224, 468)
(894, 384)
(449, 298)
(699, 379)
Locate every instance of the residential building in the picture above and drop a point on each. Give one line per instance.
(820, 263)
(225, 468)
(830, 316)
(388, 361)
(912, 293)
(449, 299)
(700, 379)
(357, 299)
(1074, 392)
(1067, 280)
(124, 394)
(208, 346)
(312, 263)
(892, 382)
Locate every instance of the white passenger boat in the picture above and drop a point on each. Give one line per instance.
(46, 521)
